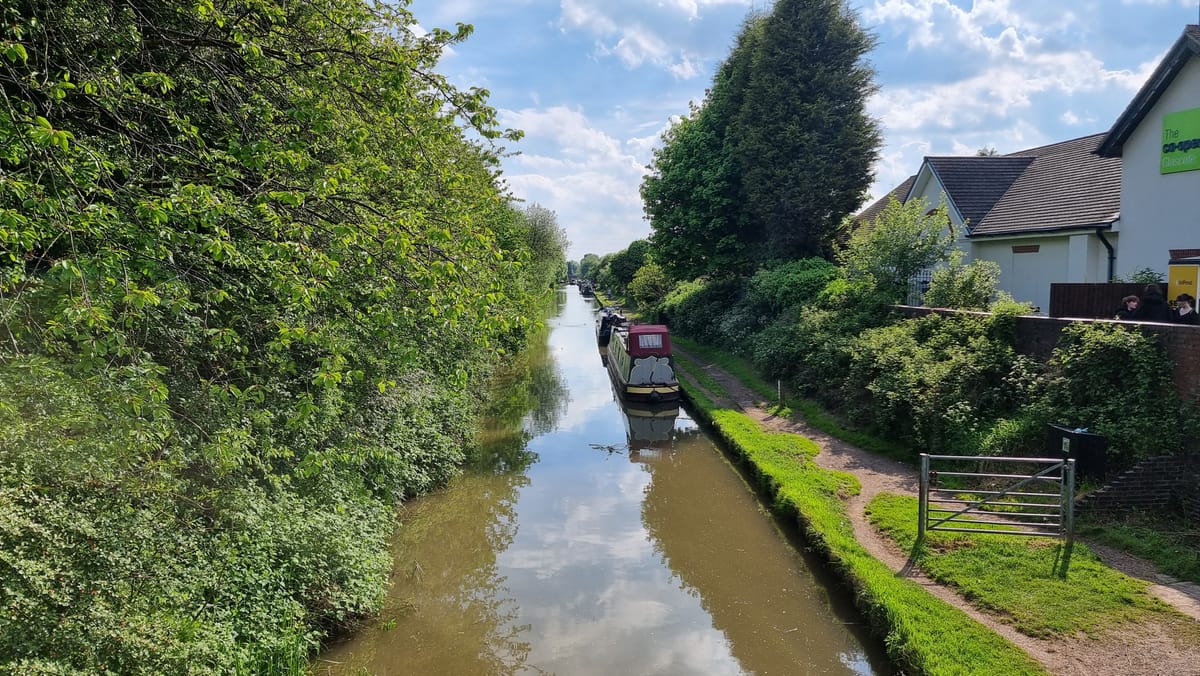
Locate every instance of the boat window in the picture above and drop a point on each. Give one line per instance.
(649, 341)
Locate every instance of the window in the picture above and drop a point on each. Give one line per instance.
(1026, 248)
(650, 341)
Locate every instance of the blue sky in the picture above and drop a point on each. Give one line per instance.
(594, 83)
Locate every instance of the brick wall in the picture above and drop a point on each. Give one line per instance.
(1154, 484)
(1037, 336)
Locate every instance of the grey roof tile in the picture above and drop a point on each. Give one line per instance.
(1066, 186)
(974, 184)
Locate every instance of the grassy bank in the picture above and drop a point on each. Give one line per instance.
(922, 634)
(1045, 588)
(810, 411)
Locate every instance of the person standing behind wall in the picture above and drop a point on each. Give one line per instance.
(1128, 309)
(1185, 310)
(1152, 307)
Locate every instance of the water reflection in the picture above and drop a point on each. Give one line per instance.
(592, 539)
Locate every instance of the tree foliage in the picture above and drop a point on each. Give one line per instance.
(802, 142)
(902, 241)
(779, 152)
(262, 249)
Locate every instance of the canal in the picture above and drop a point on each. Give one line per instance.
(586, 539)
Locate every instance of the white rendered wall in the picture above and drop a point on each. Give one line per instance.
(1028, 276)
(1159, 212)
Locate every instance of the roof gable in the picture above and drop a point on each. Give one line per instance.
(974, 184)
(899, 193)
(1186, 47)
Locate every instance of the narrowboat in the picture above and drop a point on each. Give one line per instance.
(609, 318)
(640, 362)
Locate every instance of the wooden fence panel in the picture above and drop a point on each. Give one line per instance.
(1090, 300)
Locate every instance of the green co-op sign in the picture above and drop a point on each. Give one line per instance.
(1180, 142)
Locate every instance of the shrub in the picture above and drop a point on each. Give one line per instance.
(934, 381)
(697, 309)
(792, 284)
(1116, 381)
(969, 287)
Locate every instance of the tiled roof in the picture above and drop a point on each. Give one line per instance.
(899, 193)
(1066, 186)
(976, 183)
(1187, 46)
(1061, 186)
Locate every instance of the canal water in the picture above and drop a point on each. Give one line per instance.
(588, 539)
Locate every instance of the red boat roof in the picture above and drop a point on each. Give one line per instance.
(649, 339)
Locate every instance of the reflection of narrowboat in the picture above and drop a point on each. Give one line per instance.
(609, 318)
(649, 425)
(639, 359)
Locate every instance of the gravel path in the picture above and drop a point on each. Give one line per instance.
(1151, 648)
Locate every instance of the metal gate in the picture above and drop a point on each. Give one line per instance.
(1040, 502)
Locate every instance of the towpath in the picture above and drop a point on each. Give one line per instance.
(1127, 650)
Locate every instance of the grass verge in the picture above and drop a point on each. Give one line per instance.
(1045, 587)
(1171, 543)
(922, 634)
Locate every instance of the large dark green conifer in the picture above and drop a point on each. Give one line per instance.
(692, 197)
(803, 144)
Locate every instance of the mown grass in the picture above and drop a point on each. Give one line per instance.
(922, 634)
(1045, 587)
(1171, 543)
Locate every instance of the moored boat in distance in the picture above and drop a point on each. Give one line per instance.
(608, 319)
(640, 362)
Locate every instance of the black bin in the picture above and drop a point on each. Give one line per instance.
(1088, 449)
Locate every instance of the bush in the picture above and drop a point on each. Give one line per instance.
(933, 381)
(793, 284)
(969, 287)
(1116, 381)
(697, 309)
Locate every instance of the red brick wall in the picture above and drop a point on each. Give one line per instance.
(1154, 484)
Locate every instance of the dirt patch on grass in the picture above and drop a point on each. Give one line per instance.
(1164, 645)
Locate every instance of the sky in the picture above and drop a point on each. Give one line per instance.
(593, 84)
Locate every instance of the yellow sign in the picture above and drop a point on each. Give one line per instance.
(1182, 278)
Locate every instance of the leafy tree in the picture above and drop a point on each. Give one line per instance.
(262, 260)
(624, 264)
(588, 266)
(546, 244)
(572, 268)
(902, 241)
(692, 195)
(970, 286)
(802, 141)
(650, 285)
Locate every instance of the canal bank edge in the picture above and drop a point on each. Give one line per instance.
(922, 633)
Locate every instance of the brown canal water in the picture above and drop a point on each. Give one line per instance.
(587, 539)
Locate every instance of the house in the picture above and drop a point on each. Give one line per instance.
(1085, 210)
